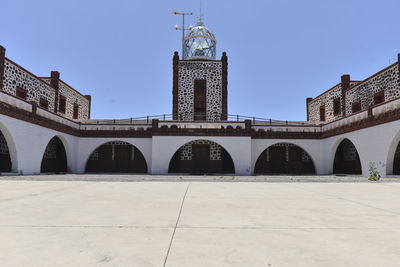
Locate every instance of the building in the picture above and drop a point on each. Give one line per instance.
(45, 126)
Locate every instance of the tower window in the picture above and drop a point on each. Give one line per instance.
(322, 113)
(22, 93)
(336, 106)
(200, 96)
(62, 103)
(379, 97)
(43, 103)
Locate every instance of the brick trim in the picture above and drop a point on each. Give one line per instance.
(175, 84)
(2, 60)
(308, 101)
(345, 80)
(89, 98)
(398, 64)
(224, 60)
(54, 80)
(32, 117)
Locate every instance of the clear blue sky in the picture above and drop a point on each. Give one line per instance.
(279, 52)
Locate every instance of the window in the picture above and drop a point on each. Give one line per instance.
(61, 104)
(200, 88)
(379, 97)
(76, 111)
(22, 93)
(355, 107)
(322, 113)
(43, 103)
(336, 106)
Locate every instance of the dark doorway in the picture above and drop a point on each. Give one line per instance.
(277, 159)
(118, 157)
(200, 97)
(201, 158)
(346, 159)
(5, 159)
(284, 158)
(396, 161)
(54, 157)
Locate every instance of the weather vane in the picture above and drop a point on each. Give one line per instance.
(176, 27)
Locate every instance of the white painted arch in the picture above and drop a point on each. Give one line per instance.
(237, 147)
(200, 140)
(67, 148)
(11, 147)
(312, 147)
(88, 145)
(258, 153)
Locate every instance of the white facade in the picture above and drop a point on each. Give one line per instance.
(27, 143)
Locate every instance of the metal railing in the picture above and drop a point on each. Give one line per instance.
(197, 117)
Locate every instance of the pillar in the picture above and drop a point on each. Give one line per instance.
(175, 81)
(224, 60)
(2, 61)
(345, 79)
(308, 100)
(54, 79)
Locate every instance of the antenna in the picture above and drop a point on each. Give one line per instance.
(201, 14)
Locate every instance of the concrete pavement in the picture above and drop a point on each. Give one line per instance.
(90, 223)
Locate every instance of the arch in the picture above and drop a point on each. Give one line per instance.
(116, 157)
(8, 145)
(346, 159)
(393, 156)
(284, 158)
(54, 157)
(201, 157)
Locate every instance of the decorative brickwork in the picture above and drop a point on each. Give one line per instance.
(325, 100)
(186, 150)
(15, 76)
(74, 98)
(211, 71)
(386, 81)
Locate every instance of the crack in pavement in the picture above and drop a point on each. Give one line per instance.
(176, 225)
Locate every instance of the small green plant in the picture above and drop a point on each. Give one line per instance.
(233, 177)
(180, 177)
(374, 174)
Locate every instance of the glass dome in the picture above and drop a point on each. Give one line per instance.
(200, 43)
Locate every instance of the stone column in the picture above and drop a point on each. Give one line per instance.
(175, 83)
(54, 79)
(224, 59)
(89, 98)
(2, 61)
(345, 86)
(308, 100)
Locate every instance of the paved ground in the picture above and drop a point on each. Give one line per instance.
(191, 223)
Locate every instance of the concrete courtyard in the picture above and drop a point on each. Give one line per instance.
(197, 223)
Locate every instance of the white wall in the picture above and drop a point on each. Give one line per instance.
(27, 143)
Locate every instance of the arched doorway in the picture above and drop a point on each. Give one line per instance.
(347, 160)
(396, 161)
(118, 157)
(284, 158)
(54, 157)
(5, 159)
(201, 157)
